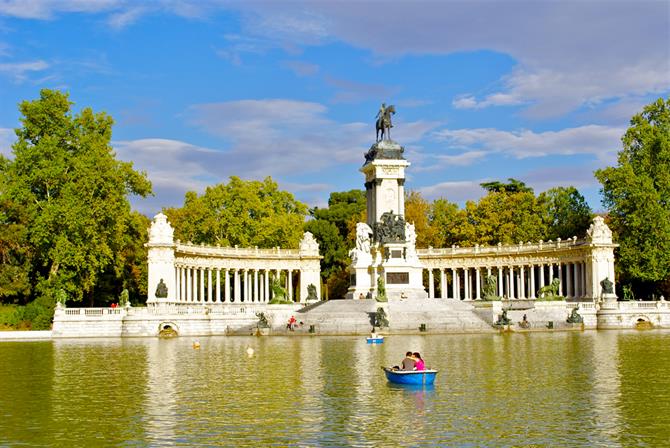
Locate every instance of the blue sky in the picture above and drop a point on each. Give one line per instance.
(541, 91)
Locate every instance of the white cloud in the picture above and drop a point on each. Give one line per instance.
(19, 70)
(46, 9)
(457, 191)
(301, 68)
(7, 138)
(278, 136)
(601, 141)
(122, 19)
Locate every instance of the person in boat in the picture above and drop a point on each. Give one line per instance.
(373, 333)
(408, 363)
(420, 364)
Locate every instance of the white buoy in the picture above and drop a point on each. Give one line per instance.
(250, 352)
(196, 344)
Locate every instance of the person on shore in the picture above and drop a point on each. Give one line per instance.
(420, 364)
(408, 363)
(291, 323)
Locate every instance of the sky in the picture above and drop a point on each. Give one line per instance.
(540, 91)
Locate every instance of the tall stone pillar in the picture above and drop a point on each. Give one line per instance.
(431, 286)
(226, 292)
(161, 259)
(310, 268)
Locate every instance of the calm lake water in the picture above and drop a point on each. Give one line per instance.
(541, 389)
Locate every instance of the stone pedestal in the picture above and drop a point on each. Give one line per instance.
(402, 277)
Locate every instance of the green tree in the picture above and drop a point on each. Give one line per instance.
(243, 213)
(447, 221)
(513, 186)
(417, 212)
(66, 179)
(334, 228)
(15, 252)
(637, 194)
(502, 217)
(566, 213)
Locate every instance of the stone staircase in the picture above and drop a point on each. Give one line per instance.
(438, 315)
(339, 317)
(405, 316)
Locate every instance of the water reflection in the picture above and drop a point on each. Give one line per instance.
(551, 389)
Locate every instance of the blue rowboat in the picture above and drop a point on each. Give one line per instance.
(377, 340)
(410, 376)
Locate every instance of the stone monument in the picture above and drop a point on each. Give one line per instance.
(386, 244)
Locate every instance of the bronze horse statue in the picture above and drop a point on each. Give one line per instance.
(383, 123)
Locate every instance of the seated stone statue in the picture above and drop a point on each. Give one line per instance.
(574, 317)
(607, 286)
(161, 290)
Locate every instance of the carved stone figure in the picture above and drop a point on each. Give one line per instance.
(383, 122)
(598, 232)
(575, 317)
(550, 290)
(607, 286)
(308, 244)
(380, 320)
(363, 234)
(390, 229)
(262, 321)
(161, 290)
(311, 292)
(503, 319)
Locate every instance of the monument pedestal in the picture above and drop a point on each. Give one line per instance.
(403, 277)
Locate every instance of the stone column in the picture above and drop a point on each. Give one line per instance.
(266, 285)
(431, 288)
(478, 283)
(560, 276)
(532, 281)
(551, 272)
(209, 285)
(510, 283)
(443, 284)
(501, 287)
(467, 295)
(289, 280)
(522, 282)
(194, 284)
(257, 297)
(245, 289)
(187, 285)
(575, 279)
(182, 285)
(226, 286)
(236, 285)
(454, 281)
(201, 296)
(217, 297)
(541, 276)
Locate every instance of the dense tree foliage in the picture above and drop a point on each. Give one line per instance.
(566, 213)
(243, 213)
(64, 200)
(334, 228)
(513, 186)
(637, 194)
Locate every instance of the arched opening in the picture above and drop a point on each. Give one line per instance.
(168, 330)
(642, 323)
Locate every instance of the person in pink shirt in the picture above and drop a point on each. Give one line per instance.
(420, 364)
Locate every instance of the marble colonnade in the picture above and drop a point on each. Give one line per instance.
(512, 281)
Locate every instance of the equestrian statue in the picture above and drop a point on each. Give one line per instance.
(383, 123)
